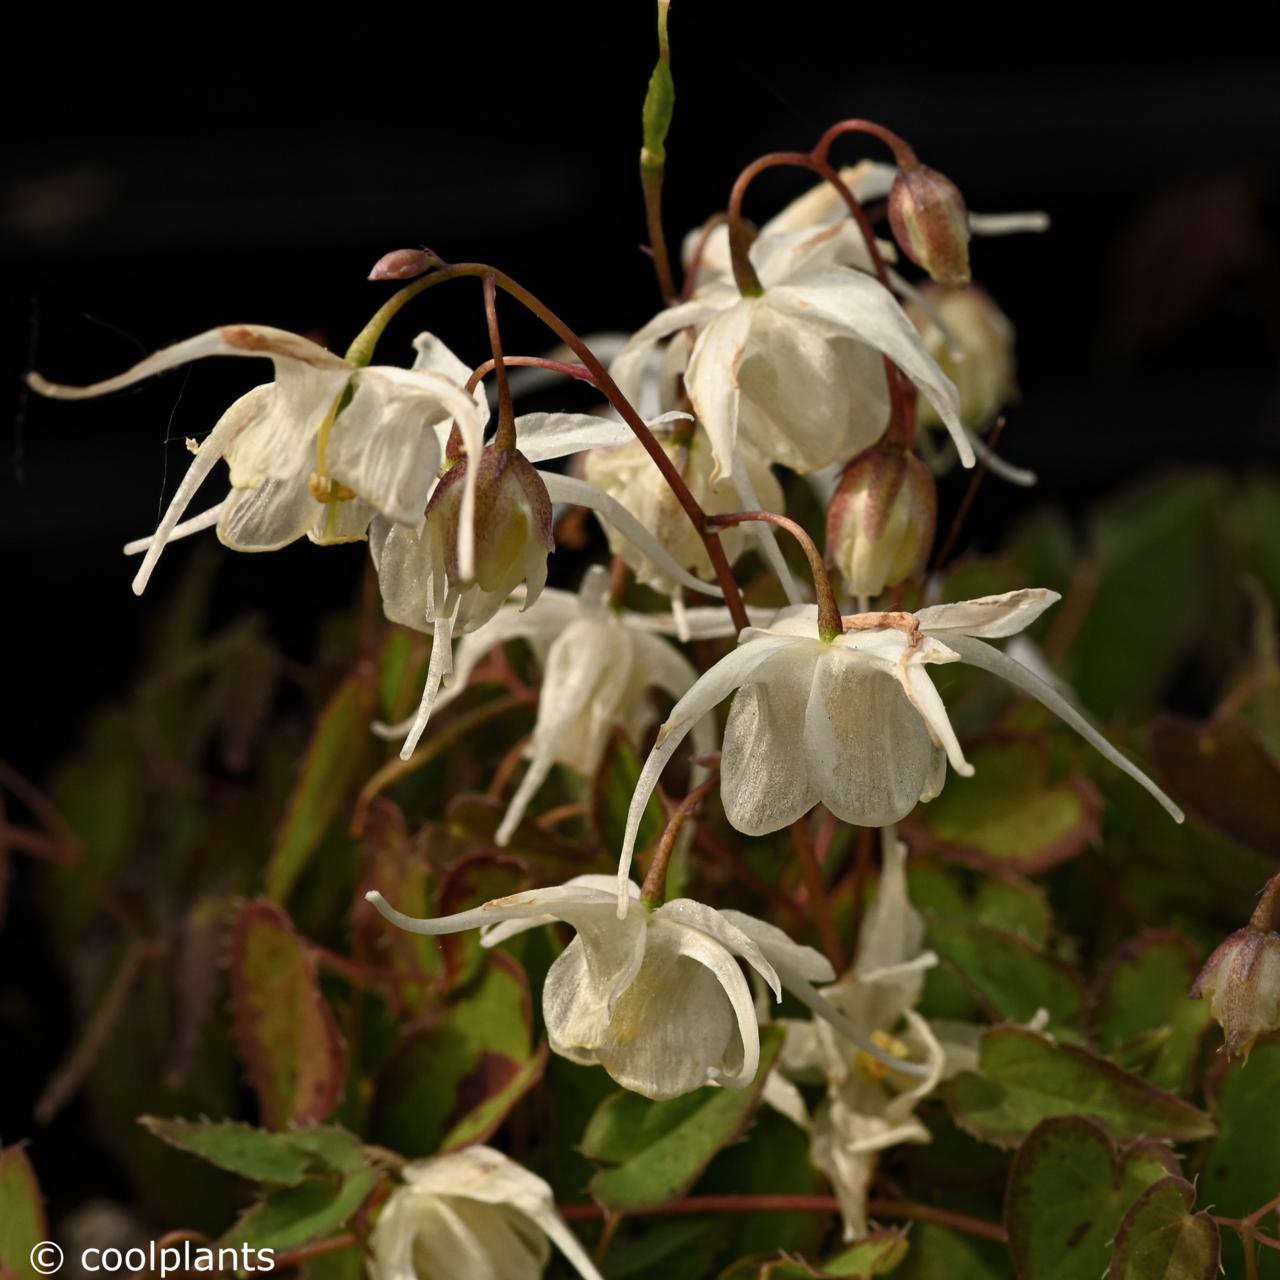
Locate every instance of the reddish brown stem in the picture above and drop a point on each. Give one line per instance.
(699, 251)
(579, 371)
(903, 154)
(905, 1209)
(361, 352)
(506, 434)
(319, 1249)
(819, 902)
(652, 183)
(653, 891)
(829, 623)
(966, 503)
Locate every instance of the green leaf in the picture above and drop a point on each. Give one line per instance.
(659, 100)
(1142, 990)
(611, 792)
(877, 1255)
(22, 1220)
(238, 1148)
(1068, 1190)
(454, 1082)
(1162, 1239)
(1221, 772)
(939, 1254)
(284, 1028)
(294, 1216)
(1015, 905)
(1010, 815)
(1025, 1077)
(1242, 1170)
(1154, 550)
(334, 760)
(667, 1167)
(1011, 976)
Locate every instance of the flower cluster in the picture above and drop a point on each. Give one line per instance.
(801, 347)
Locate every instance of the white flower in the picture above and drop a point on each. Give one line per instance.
(972, 341)
(319, 451)
(796, 372)
(628, 474)
(470, 1215)
(656, 998)
(870, 1106)
(598, 665)
(418, 572)
(856, 723)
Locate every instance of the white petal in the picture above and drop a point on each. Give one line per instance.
(926, 700)
(438, 666)
(487, 1176)
(765, 781)
(492, 934)
(867, 311)
(269, 516)
(541, 436)
(1005, 224)
(241, 414)
(712, 687)
(780, 1094)
(628, 367)
(697, 915)
(980, 654)
(567, 489)
(382, 445)
(687, 1019)
(893, 931)
(869, 753)
(779, 949)
(196, 524)
(989, 616)
(712, 380)
(228, 340)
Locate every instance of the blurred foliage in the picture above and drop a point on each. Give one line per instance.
(206, 849)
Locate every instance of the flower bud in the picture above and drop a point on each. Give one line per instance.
(513, 534)
(1242, 977)
(404, 264)
(930, 223)
(881, 521)
(975, 351)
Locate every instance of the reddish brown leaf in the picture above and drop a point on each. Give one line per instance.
(285, 1031)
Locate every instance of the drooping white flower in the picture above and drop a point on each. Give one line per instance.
(318, 451)
(473, 1214)
(418, 577)
(870, 1105)
(657, 998)
(854, 723)
(628, 474)
(598, 665)
(796, 372)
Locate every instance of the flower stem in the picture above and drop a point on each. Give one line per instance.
(658, 105)
(818, 900)
(506, 434)
(903, 154)
(966, 503)
(653, 891)
(829, 621)
(361, 352)
(747, 1203)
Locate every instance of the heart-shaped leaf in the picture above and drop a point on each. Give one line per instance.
(1161, 1238)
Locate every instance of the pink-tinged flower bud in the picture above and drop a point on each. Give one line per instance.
(513, 535)
(881, 521)
(931, 223)
(404, 264)
(1242, 977)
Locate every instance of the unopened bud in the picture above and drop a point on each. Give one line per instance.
(404, 264)
(881, 521)
(1241, 979)
(513, 534)
(931, 223)
(972, 341)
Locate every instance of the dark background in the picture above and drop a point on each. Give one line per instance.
(158, 182)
